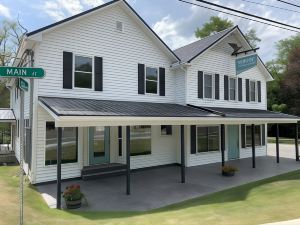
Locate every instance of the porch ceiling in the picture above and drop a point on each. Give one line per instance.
(70, 112)
(7, 115)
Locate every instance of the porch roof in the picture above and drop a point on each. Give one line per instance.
(7, 115)
(71, 112)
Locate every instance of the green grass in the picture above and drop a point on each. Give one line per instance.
(282, 140)
(268, 200)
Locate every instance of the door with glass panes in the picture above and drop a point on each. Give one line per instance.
(99, 145)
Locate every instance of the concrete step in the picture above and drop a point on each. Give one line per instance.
(105, 174)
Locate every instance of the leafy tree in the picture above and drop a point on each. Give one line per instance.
(214, 25)
(217, 24)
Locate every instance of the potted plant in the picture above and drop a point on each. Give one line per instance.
(73, 196)
(229, 171)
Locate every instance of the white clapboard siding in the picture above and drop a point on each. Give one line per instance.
(180, 90)
(247, 152)
(48, 173)
(96, 35)
(218, 60)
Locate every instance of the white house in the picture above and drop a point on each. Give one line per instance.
(115, 97)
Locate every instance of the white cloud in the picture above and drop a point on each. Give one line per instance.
(4, 11)
(53, 10)
(93, 3)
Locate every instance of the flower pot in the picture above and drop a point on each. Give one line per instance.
(228, 174)
(73, 204)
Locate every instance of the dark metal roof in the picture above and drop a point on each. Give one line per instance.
(99, 7)
(188, 52)
(7, 115)
(249, 113)
(90, 107)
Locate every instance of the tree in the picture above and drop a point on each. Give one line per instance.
(217, 24)
(214, 25)
(252, 38)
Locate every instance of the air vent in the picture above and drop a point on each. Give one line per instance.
(119, 26)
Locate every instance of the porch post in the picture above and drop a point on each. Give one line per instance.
(223, 144)
(58, 193)
(277, 143)
(296, 142)
(128, 160)
(182, 154)
(253, 145)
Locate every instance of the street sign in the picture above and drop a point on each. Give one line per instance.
(23, 84)
(245, 63)
(26, 72)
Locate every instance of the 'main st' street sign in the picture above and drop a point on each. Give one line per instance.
(245, 63)
(25, 72)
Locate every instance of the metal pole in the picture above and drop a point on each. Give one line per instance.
(277, 143)
(128, 160)
(296, 142)
(58, 194)
(253, 145)
(182, 154)
(21, 155)
(223, 144)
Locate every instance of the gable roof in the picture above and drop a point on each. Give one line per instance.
(188, 52)
(61, 22)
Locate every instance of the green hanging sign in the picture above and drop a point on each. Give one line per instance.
(245, 63)
(23, 84)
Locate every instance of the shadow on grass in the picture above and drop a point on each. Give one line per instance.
(234, 194)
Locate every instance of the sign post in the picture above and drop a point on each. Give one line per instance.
(22, 72)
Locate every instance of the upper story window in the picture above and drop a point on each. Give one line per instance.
(83, 72)
(252, 91)
(208, 86)
(232, 89)
(151, 80)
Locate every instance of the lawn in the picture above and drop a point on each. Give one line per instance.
(273, 199)
(282, 140)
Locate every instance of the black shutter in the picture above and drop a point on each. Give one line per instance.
(247, 90)
(259, 91)
(141, 79)
(240, 89)
(200, 84)
(162, 82)
(67, 70)
(243, 135)
(98, 61)
(226, 92)
(120, 140)
(263, 131)
(193, 139)
(217, 86)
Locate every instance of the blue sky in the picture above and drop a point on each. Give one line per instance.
(174, 21)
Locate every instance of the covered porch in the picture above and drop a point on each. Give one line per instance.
(158, 187)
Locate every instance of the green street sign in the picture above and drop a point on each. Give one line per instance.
(245, 63)
(26, 72)
(23, 84)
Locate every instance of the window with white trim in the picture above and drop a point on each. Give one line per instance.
(83, 72)
(151, 80)
(252, 91)
(257, 135)
(208, 86)
(208, 139)
(232, 89)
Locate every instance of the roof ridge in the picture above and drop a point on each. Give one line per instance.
(204, 38)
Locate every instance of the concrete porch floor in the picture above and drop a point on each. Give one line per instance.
(159, 187)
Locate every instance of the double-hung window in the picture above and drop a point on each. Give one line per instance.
(83, 72)
(252, 91)
(257, 135)
(208, 139)
(208, 86)
(140, 140)
(151, 80)
(232, 89)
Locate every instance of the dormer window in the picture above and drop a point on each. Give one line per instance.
(83, 72)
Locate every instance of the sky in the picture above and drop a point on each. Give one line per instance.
(174, 21)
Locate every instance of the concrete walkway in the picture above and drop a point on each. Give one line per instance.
(160, 187)
(285, 150)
